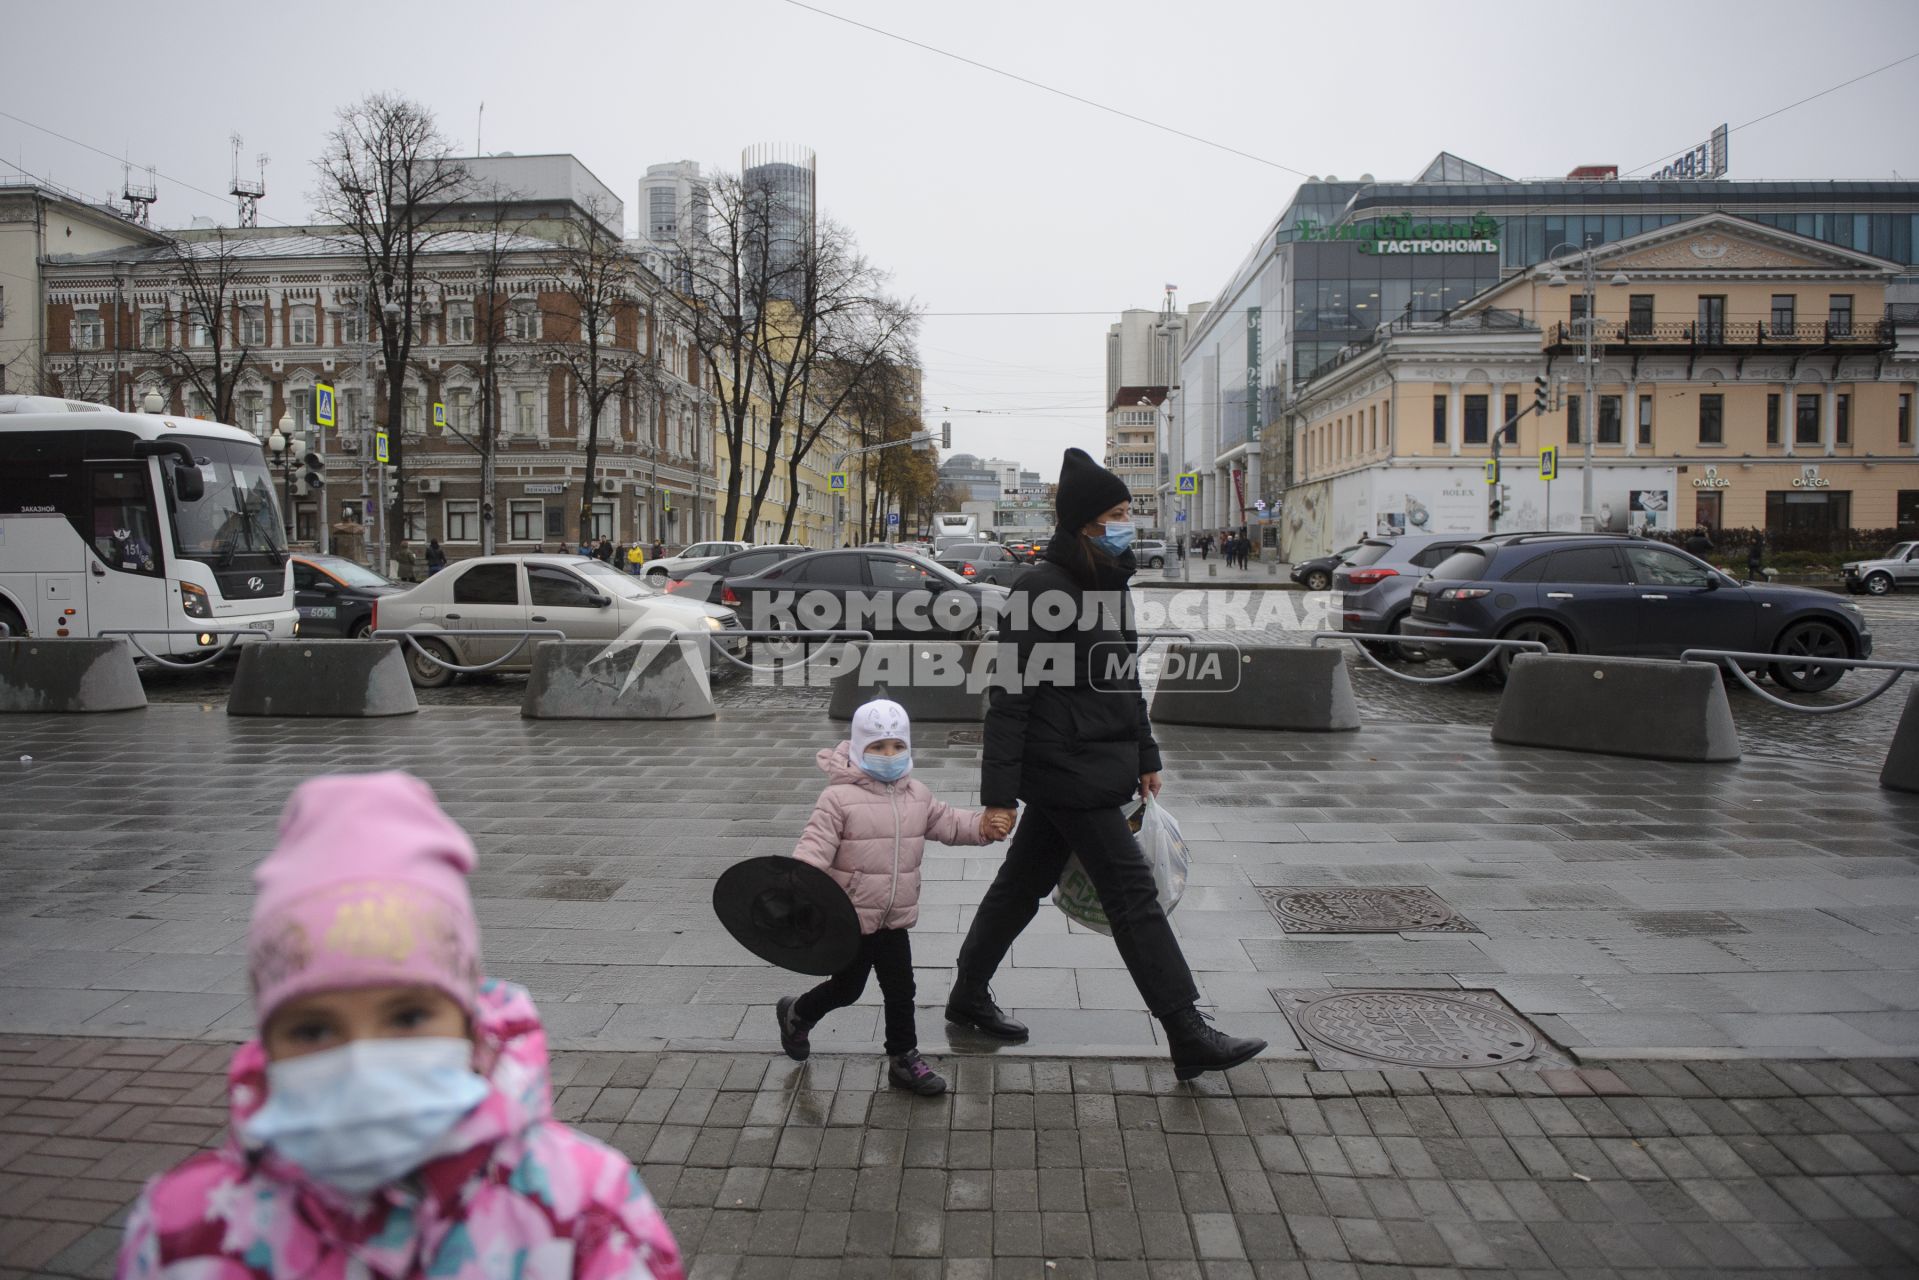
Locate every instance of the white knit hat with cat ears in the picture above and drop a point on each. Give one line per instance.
(878, 719)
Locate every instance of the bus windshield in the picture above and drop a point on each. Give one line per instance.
(237, 515)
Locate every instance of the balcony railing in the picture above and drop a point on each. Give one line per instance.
(1731, 334)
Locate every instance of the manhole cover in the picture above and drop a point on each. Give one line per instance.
(965, 738)
(1318, 909)
(1460, 1030)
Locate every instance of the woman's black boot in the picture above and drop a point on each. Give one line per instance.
(1199, 1046)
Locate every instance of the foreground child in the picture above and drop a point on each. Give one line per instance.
(393, 1118)
(869, 831)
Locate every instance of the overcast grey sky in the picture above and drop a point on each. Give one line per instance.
(980, 194)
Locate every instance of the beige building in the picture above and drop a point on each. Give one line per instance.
(1744, 377)
(1132, 449)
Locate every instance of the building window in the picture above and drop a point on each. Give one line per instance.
(1907, 512)
(459, 409)
(1712, 418)
(459, 324)
(1805, 429)
(415, 522)
(153, 328)
(1439, 419)
(410, 421)
(462, 520)
(1476, 419)
(89, 331)
(1609, 426)
(1905, 417)
(253, 326)
(199, 332)
(1772, 418)
(1645, 421)
(526, 413)
(1510, 428)
(556, 523)
(349, 328)
(1639, 319)
(1842, 418)
(306, 522)
(1712, 318)
(300, 408)
(523, 322)
(1573, 420)
(526, 521)
(304, 326)
(1783, 305)
(603, 521)
(1839, 314)
(1581, 305)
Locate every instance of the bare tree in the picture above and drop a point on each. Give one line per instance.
(596, 283)
(387, 177)
(206, 343)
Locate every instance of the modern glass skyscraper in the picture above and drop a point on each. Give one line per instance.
(779, 180)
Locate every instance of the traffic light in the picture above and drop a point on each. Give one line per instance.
(1542, 393)
(946, 435)
(313, 477)
(1495, 504)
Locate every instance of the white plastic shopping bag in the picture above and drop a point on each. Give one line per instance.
(1166, 854)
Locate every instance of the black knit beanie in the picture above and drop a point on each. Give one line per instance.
(1086, 491)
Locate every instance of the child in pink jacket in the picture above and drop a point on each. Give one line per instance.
(392, 1119)
(869, 831)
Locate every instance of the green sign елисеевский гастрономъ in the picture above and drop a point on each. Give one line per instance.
(1404, 235)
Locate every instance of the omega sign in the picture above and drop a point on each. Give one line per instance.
(1712, 480)
(1811, 479)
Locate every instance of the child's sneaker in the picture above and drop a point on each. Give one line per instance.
(793, 1030)
(910, 1071)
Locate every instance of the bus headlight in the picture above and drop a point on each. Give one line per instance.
(194, 600)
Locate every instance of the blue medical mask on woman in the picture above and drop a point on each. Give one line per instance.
(1118, 536)
(369, 1112)
(887, 768)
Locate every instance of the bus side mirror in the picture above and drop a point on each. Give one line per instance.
(188, 483)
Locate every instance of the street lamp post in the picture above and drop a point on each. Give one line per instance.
(1589, 410)
(287, 449)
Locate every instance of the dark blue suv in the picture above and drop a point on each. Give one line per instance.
(1629, 597)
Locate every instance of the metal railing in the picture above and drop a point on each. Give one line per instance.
(1726, 333)
(229, 640)
(413, 635)
(1737, 661)
(1365, 640)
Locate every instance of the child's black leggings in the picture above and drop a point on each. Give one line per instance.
(889, 953)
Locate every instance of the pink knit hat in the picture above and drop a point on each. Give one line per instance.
(366, 887)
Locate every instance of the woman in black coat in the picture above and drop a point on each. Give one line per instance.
(1075, 744)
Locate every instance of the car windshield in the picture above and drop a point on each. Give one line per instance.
(1900, 552)
(1462, 565)
(352, 575)
(236, 514)
(934, 569)
(1368, 552)
(613, 582)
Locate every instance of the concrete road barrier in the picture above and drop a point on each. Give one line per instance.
(339, 678)
(645, 680)
(68, 676)
(1268, 687)
(1902, 760)
(932, 679)
(1639, 707)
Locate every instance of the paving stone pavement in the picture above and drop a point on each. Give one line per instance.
(1044, 1167)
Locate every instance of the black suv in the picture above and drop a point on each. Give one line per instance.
(1628, 597)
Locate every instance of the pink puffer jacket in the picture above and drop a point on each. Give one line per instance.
(870, 836)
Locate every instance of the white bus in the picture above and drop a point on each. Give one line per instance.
(116, 521)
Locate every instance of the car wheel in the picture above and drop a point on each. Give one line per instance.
(364, 630)
(1546, 633)
(1810, 640)
(1879, 584)
(15, 624)
(424, 671)
(656, 577)
(1156, 562)
(1319, 580)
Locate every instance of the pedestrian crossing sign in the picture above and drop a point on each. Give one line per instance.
(837, 482)
(322, 405)
(1492, 471)
(379, 446)
(1186, 483)
(439, 414)
(1549, 463)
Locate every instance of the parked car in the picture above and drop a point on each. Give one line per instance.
(1317, 574)
(1023, 551)
(984, 562)
(1376, 582)
(902, 587)
(708, 582)
(1899, 567)
(581, 596)
(1151, 553)
(1632, 597)
(690, 558)
(335, 595)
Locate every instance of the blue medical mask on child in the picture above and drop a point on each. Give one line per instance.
(1118, 536)
(369, 1112)
(887, 768)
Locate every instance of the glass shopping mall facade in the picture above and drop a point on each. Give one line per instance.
(1344, 257)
